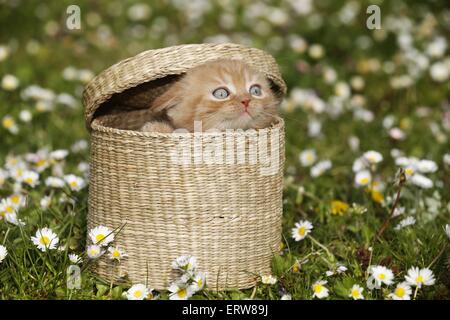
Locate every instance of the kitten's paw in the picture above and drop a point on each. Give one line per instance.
(155, 126)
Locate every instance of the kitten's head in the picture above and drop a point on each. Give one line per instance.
(223, 94)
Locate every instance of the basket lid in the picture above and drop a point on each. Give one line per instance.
(163, 65)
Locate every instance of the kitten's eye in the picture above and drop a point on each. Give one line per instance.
(221, 93)
(255, 90)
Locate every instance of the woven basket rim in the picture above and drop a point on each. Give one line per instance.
(117, 78)
(98, 127)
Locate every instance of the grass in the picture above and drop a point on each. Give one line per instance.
(41, 48)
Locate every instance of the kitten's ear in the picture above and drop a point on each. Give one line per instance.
(167, 100)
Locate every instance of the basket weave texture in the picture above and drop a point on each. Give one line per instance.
(228, 215)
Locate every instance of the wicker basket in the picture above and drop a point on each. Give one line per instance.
(228, 215)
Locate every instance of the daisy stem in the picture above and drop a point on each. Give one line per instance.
(253, 292)
(330, 255)
(401, 181)
(370, 262)
(415, 292)
(438, 256)
(6, 235)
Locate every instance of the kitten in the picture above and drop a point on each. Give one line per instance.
(223, 94)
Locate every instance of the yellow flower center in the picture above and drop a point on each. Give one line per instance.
(182, 292)
(355, 293)
(364, 180)
(419, 279)
(400, 292)
(15, 199)
(44, 240)
(301, 231)
(382, 276)
(338, 207)
(73, 184)
(29, 180)
(409, 171)
(40, 163)
(9, 209)
(116, 254)
(99, 237)
(93, 252)
(377, 196)
(200, 282)
(309, 157)
(8, 123)
(317, 288)
(137, 294)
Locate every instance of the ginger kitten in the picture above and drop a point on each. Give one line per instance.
(223, 94)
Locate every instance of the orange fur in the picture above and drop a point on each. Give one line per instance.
(191, 98)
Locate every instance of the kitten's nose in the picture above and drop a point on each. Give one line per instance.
(245, 102)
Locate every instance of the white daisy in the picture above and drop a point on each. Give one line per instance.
(45, 202)
(180, 291)
(382, 275)
(59, 154)
(319, 290)
(307, 157)
(439, 71)
(116, 253)
(45, 239)
(101, 235)
(25, 116)
(94, 251)
(198, 281)
(18, 200)
(363, 178)
(10, 82)
(446, 159)
(418, 277)
(408, 221)
(359, 165)
(3, 253)
(41, 164)
(138, 292)
(341, 269)
(54, 182)
(286, 296)
(31, 178)
(356, 292)
(402, 292)
(185, 263)
(6, 207)
(12, 218)
(320, 167)
(427, 166)
(75, 183)
(9, 124)
(268, 279)
(421, 181)
(373, 157)
(74, 258)
(301, 230)
(17, 173)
